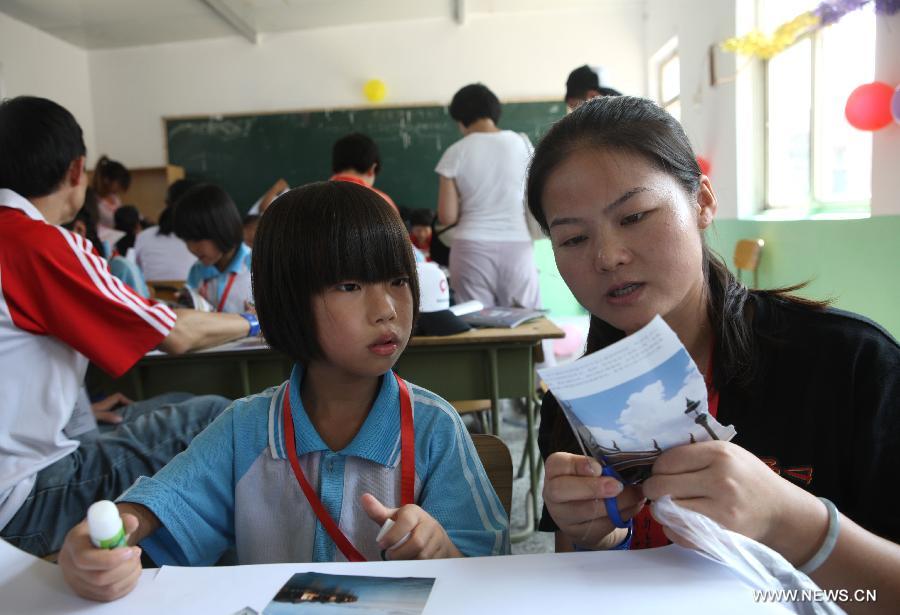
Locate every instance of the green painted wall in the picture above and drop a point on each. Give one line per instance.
(854, 262)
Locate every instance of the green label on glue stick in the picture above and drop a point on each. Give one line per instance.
(115, 542)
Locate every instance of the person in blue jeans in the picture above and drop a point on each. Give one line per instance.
(59, 308)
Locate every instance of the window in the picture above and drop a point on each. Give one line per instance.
(665, 68)
(816, 163)
(670, 85)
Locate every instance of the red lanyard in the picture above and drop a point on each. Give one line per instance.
(407, 468)
(225, 292)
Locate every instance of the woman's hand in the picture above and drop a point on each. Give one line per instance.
(415, 534)
(574, 491)
(734, 488)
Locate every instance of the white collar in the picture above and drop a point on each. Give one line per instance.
(11, 198)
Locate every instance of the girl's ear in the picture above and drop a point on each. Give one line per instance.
(706, 200)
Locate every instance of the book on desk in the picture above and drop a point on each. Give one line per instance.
(501, 317)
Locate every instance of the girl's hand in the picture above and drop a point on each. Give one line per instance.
(99, 574)
(741, 493)
(574, 491)
(427, 538)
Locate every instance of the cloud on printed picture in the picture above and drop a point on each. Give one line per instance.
(651, 414)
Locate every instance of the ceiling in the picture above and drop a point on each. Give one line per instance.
(103, 24)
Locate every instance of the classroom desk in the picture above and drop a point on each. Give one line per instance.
(478, 364)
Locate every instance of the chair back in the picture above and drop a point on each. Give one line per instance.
(746, 257)
(164, 290)
(497, 462)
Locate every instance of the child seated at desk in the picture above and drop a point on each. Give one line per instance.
(336, 290)
(209, 223)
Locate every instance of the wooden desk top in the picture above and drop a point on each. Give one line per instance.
(533, 331)
(529, 332)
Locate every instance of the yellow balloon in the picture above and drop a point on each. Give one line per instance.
(375, 90)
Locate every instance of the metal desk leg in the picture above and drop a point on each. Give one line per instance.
(245, 377)
(495, 392)
(531, 510)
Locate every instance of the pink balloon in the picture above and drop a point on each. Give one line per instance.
(869, 106)
(895, 105)
(705, 165)
(573, 342)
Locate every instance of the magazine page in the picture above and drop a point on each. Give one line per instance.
(632, 400)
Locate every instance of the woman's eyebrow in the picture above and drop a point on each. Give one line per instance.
(607, 208)
(622, 199)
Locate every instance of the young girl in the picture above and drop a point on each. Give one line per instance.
(110, 180)
(209, 223)
(309, 471)
(813, 392)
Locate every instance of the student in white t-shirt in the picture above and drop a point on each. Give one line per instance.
(482, 186)
(160, 254)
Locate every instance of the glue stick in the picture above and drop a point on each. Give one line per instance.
(105, 525)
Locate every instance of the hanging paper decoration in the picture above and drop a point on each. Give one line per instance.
(895, 105)
(375, 90)
(762, 46)
(758, 44)
(869, 106)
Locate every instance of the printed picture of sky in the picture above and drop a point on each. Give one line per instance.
(653, 412)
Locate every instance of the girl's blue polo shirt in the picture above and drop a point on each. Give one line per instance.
(211, 283)
(234, 488)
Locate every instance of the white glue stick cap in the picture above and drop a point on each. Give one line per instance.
(103, 521)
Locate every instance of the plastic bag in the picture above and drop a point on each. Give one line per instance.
(758, 565)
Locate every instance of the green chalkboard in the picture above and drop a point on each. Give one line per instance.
(245, 154)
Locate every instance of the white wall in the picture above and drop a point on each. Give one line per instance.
(708, 114)
(519, 55)
(35, 63)
(886, 142)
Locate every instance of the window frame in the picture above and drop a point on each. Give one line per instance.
(814, 207)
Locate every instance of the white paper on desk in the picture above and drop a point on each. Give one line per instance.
(666, 580)
(243, 344)
(31, 585)
(636, 398)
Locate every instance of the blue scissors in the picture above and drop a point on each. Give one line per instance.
(612, 507)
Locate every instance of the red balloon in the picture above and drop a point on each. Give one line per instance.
(705, 165)
(869, 106)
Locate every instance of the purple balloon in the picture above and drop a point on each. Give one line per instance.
(895, 105)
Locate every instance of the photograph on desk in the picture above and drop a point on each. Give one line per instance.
(636, 398)
(311, 592)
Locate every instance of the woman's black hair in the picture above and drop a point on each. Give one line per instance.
(316, 236)
(207, 212)
(474, 102)
(175, 191)
(126, 218)
(39, 139)
(639, 126)
(108, 171)
(355, 151)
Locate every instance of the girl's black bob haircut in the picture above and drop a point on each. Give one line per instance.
(316, 236)
(207, 212)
